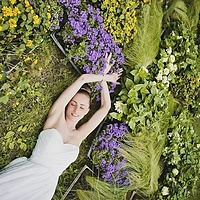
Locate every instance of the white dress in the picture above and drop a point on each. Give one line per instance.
(36, 178)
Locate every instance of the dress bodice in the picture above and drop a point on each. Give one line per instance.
(50, 151)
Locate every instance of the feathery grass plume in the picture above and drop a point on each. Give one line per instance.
(103, 190)
(193, 13)
(177, 10)
(143, 152)
(145, 46)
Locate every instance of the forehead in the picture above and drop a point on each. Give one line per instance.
(81, 99)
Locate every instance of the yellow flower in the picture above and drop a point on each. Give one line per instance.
(32, 11)
(12, 23)
(48, 15)
(1, 76)
(0, 28)
(12, 1)
(16, 11)
(29, 43)
(47, 24)
(48, 6)
(27, 4)
(105, 3)
(7, 11)
(40, 68)
(36, 19)
(27, 59)
(8, 93)
(35, 62)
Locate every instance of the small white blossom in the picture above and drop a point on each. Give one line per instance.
(172, 58)
(198, 145)
(118, 106)
(175, 171)
(164, 79)
(169, 51)
(153, 83)
(165, 59)
(165, 191)
(166, 71)
(172, 67)
(159, 76)
(179, 37)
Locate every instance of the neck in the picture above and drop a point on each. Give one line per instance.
(71, 124)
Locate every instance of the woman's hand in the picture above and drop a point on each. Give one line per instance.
(108, 65)
(115, 76)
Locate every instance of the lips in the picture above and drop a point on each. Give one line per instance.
(74, 115)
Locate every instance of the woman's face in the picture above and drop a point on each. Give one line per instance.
(78, 107)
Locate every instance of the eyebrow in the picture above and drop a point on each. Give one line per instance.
(80, 104)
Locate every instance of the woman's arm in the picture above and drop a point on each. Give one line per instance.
(69, 92)
(101, 113)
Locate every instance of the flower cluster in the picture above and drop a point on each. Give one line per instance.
(120, 19)
(87, 41)
(106, 154)
(23, 25)
(167, 66)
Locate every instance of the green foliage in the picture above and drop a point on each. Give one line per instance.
(144, 47)
(102, 191)
(142, 153)
(22, 28)
(180, 158)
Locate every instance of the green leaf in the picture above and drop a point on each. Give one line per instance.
(11, 145)
(138, 87)
(24, 17)
(5, 3)
(5, 26)
(5, 86)
(23, 146)
(129, 83)
(30, 16)
(9, 134)
(115, 115)
(4, 99)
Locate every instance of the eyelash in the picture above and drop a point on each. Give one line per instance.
(75, 105)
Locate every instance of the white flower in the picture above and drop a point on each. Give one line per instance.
(165, 191)
(198, 145)
(175, 171)
(172, 67)
(159, 76)
(172, 58)
(165, 59)
(153, 83)
(166, 71)
(118, 106)
(165, 79)
(169, 51)
(179, 37)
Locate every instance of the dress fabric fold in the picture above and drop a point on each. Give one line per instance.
(36, 178)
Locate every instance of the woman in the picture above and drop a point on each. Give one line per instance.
(58, 144)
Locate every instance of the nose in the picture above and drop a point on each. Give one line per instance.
(76, 109)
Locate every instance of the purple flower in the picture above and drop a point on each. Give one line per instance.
(87, 25)
(106, 154)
